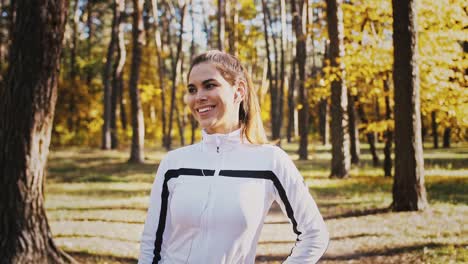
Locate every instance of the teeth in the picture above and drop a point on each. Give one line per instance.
(204, 109)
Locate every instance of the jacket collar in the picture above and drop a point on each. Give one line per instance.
(221, 142)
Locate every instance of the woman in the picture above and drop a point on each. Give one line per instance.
(209, 200)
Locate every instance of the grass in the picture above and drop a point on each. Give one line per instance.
(96, 204)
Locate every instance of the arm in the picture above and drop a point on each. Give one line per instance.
(297, 203)
(152, 218)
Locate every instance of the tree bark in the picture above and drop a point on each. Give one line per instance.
(175, 62)
(27, 105)
(117, 76)
(221, 23)
(160, 65)
(409, 192)
(353, 130)
(341, 162)
(435, 136)
(272, 78)
(447, 133)
(370, 136)
(291, 104)
(388, 133)
(106, 78)
(324, 121)
(301, 55)
(138, 126)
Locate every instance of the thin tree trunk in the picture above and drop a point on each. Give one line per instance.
(291, 104)
(89, 45)
(270, 74)
(175, 62)
(160, 66)
(339, 102)
(221, 23)
(71, 122)
(409, 192)
(435, 136)
(138, 126)
(27, 105)
(324, 121)
(301, 55)
(388, 133)
(106, 78)
(353, 130)
(117, 76)
(447, 133)
(370, 136)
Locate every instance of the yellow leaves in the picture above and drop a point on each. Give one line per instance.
(378, 127)
(299, 107)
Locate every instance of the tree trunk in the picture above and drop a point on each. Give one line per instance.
(301, 55)
(409, 192)
(160, 66)
(175, 62)
(388, 133)
(447, 133)
(370, 137)
(138, 126)
(117, 76)
(353, 130)
(339, 102)
(291, 104)
(221, 23)
(324, 121)
(271, 75)
(106, 78)
(27, 105)
(89, 45)
(71, 122)
(435, 136)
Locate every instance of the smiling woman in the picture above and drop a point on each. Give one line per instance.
(209, 200)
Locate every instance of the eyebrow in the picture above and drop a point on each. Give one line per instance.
(204, 82)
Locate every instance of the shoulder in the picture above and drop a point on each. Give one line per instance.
(180, 153)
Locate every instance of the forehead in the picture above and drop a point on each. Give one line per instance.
(204, 71)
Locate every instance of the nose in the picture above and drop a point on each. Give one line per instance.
(201, 95)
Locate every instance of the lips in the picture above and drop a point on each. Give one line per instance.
(204, 110)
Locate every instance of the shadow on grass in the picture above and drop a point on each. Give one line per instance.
(388, 252)
(85, 209)
(359, 255)
(100, 192)
(89, 220)
(95, 236)
(85, 257)
(358, 213)
(109, 171)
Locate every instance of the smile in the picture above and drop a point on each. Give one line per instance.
(205, 109)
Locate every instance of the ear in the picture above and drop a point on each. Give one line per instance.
(240, 92)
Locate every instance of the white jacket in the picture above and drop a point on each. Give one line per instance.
(209, 201)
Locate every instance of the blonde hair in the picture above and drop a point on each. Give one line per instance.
(233, 72)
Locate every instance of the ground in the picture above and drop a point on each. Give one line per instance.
(96, 205)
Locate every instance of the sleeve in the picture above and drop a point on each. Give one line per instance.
(148, 237)
(293, 196)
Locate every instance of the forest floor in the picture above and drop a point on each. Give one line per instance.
(96, 205)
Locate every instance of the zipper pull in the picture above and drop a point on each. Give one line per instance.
(217, 149)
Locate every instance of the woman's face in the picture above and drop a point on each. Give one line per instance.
(214, 102)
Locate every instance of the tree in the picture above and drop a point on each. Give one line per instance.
(409, 192)
(138, 125)
(106, 78)
(27, 105)
(301, 55)
(341, 162)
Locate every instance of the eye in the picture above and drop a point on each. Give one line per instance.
(210, 86)
(191, 90)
